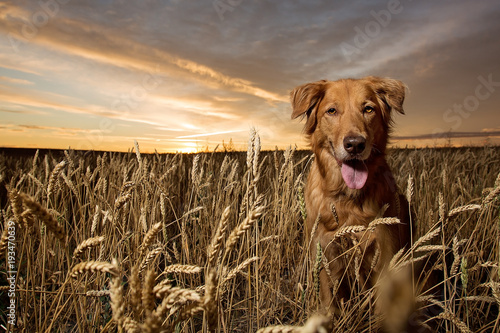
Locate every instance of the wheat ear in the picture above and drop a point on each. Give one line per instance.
(86, 244)
(94, 266)
(44, 215)
(185, 269)
(315, 324)
(210, 301)
(458, 210)
(150, 236)
(240, 229)
(53, 176)
(216, 242)
(462, 327)
(147, 291)
(149, 258)
(117, 302)
(17, 205)
(135, 290)
(385, 220)
(4, 240)
(97, 293)
(232, 274)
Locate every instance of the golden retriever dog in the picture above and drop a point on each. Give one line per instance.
(349, 183)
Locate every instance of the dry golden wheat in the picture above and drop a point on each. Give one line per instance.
(97, 293)
(216, 242)
(117, 302)
(159, 188)
(54, 177)
(86, 244)
(462, 327)
(210, 301)
(184, 269)
(150, 236)
(44, 216)
(148, 300)
(4, 240)
(94, 266)
(241, 229)
(232, 274)
(150, 257)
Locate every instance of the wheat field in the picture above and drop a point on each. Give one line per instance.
(214, 242)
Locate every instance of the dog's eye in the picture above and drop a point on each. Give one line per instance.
(368, 109)
(331, 111)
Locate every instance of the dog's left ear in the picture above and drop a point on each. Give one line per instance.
(390, 91)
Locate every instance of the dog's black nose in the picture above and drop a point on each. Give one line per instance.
(354, 144)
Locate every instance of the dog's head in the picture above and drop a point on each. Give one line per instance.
(350, 119)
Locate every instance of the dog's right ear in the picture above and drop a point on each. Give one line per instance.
(305, 99)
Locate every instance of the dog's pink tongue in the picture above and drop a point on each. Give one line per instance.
(354, 173)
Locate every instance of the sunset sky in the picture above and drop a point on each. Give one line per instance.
(183, 75)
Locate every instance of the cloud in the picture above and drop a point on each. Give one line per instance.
(104, 45)
(449, 135)
(16, 81)
(97, 60)
(206, 134)
(59, 130)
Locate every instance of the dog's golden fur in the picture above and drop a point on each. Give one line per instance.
(349, 122)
